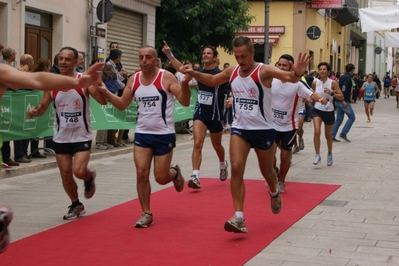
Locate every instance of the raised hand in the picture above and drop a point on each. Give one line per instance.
(301, 64)
(165, 48)
(93, 76)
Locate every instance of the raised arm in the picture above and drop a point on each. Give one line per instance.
(269, 72)
(98, 96)
(208, 79)
(318, 98)
(175, 63)
(13, 78)
(122, 102)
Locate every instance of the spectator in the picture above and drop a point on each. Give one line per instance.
(43, 64)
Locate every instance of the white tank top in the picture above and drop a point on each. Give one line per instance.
(154, 106)
(320, 85)
(71, 116)
(251, 101)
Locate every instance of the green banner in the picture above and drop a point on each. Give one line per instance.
(15, 124)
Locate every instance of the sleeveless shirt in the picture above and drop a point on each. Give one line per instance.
(251, 101)
(154, 106)
(71, 116)
(320, 85)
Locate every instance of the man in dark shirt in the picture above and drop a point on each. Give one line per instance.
(345, 106)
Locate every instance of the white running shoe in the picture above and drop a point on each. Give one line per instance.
(317, 159)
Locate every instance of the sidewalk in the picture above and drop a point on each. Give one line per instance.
(356, 225)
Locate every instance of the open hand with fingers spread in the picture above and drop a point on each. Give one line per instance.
(92, 76)
(301, 64)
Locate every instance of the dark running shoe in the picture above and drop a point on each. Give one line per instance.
(178, 182)
(276, 203)
(90, 186)
(5, 219)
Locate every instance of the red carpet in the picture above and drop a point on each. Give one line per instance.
(187, 229)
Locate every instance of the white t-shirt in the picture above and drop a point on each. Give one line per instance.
(286, 99)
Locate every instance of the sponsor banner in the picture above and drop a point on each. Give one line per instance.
(15, 124)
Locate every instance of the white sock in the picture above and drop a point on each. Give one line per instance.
(273, 194)
(239, 214)
(196, 173)
(222, 164)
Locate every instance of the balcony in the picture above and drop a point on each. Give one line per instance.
(348, 14)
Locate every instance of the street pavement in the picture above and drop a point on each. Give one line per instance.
(357, 225)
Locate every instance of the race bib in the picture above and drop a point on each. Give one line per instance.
(278, 114)
(149, 104)
(247, 107)
(369, 93)
(205, 97)
(71, 119)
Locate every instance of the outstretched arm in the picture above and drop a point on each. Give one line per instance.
(208, 79)
(318, 98)
(98, 96)
(13, 78)
(269, 72)
(119, 102)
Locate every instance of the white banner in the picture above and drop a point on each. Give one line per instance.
(379, 18)
(392, 39)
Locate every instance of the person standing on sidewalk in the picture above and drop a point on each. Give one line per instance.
(370, 89)
(286, 97)
(208, 114)
(72, 131)
(253, 120)
(154, 90)
(344, 106)
(329, 89)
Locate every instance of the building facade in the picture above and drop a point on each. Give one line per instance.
(42, 27)
(326, 34)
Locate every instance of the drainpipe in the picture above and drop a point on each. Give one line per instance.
(266, 45)
(90, 22)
